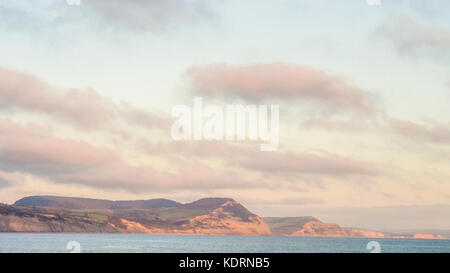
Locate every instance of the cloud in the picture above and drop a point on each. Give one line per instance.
(279, 80)
(302, 163)
(7, 179)
(301, 201)
(343, 126)
(283, 163)
(410, 37)
(290, 201)
(83, 108)
(152, 15)
(30, 149)
(432, 133)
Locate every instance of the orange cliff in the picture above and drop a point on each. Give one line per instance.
(364, 233)
(427, 236)
(319, 229)
(220, 221)
(316, 228)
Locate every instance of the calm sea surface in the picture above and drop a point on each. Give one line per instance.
(32, 242)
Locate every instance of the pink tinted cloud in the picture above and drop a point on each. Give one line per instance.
(248, 156)
(280, 80)
(28, 149)
(433, 133)
(300, 163)
(83, 108)
(344, 126)
(25, 91)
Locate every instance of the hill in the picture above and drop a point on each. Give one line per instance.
(218, 216)
(72, 203)
(158, 216)
(26, 219)
(309, 226)
(287, 225)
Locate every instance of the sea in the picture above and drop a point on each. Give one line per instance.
(146, 243)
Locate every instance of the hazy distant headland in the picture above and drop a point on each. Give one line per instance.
(208, 216)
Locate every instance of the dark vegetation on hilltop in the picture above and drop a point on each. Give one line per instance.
(72, 203)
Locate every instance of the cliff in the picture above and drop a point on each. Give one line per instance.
(427, 236)
(364, 233)
(222, 216)
(14, 219)
(312, 227)
(208, 216)
(282, 226)
(229, 218)
(319, 229)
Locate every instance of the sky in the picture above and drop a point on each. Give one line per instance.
(86, 93)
